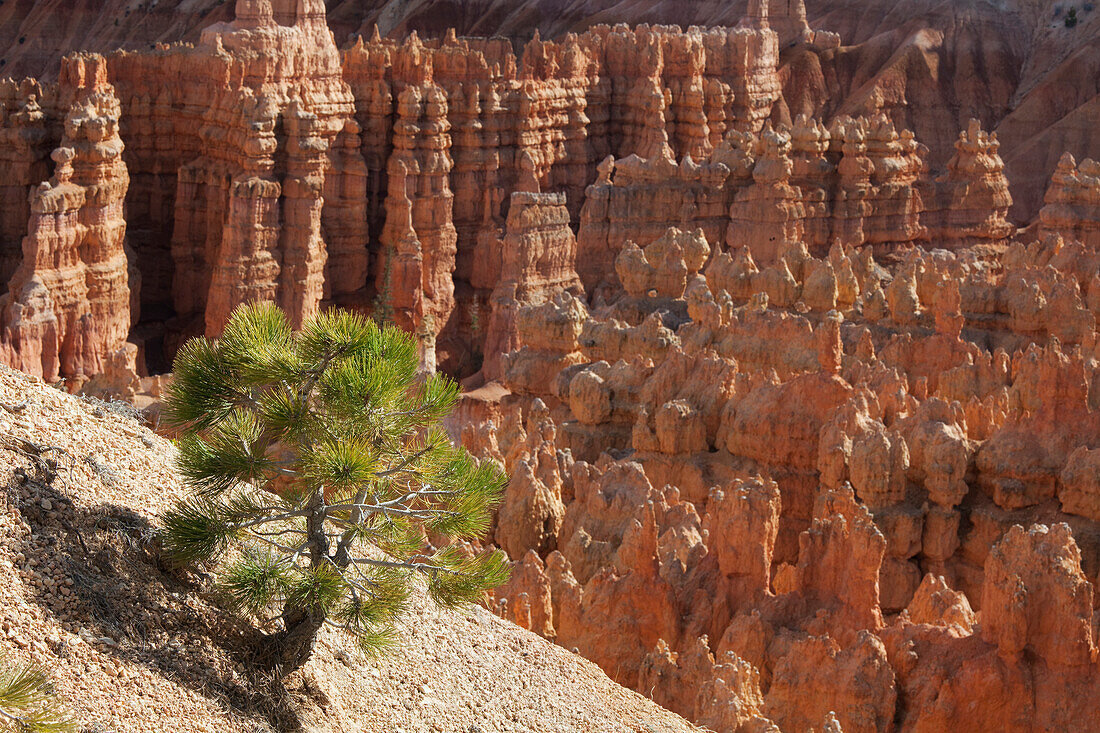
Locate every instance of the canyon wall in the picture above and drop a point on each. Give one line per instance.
(380, 178)
(1017, 67)
(228, 200)
(67, 305)
(803, 430)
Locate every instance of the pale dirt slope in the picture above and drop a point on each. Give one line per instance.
(132, 647)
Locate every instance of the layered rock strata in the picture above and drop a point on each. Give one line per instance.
(381, 178)
(788, 486)
(972, 198)
(68, 303)
(538, 260)
(1072, 203)
(812, 431)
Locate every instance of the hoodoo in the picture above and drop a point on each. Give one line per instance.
(784, 324)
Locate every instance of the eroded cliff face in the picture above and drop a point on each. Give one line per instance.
(1015, 66)
(381, 178)
(824, 491)
(803, 432)
(228, 196)
(264, 164)
(67, 306)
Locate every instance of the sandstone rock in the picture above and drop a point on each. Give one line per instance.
(972, 198)
(1079, 483)
(550, 335)
(724, 696)
(25, 150)
(68, 303)
(842, 542)
(626, 608)
(936, 604)
(664, 267)
(860, 691)
(1072, 202)
(526, 598)
(742, 521)
(768, 215)
(538, 261)
(878, 371)
(1045, 565)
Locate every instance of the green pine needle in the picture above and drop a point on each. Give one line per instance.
(376, 641)
(467, 578)
(255, 580)
(26, 701)
(195, 531)
(340, 466)
(316, 589)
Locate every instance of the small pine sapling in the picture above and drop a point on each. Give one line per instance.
(320, 469)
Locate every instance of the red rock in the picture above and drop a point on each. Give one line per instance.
(525, 598)
(1041, 563)
(936, 604)
(627, 608)
(742, 521)
(805, 372)
(972, 199)
(1072, 203)
(531, 512)
(859, 689)
(723, 696)
(68, 302)
(538, 260)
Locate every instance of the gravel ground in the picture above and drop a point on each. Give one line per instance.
(127, 646)
(131, 646)
(471, 672)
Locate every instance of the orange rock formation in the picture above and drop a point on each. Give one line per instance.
(803, 432)
(67, 305)
(827, 432)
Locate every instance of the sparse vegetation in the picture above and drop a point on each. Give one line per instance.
(323, 482)
(383, 308)
(1071, 18)
(477, 336)
(27, 704)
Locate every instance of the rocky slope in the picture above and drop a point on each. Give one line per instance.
(131, 647)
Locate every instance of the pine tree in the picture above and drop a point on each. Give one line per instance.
(319, 471)
(26, 702)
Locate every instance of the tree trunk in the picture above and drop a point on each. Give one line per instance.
(290, 648)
